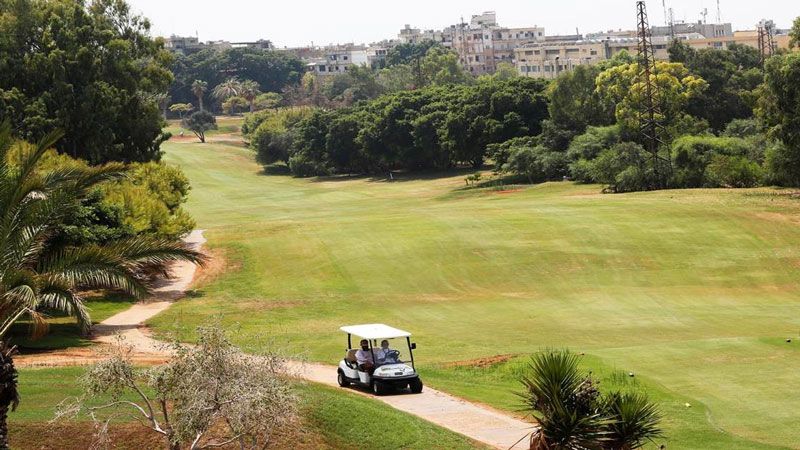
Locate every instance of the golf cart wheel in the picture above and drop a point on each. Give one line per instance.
(415, 386)
(378, 388)
(342, 380)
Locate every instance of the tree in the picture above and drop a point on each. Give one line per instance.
(573, 414)
(620, 88)
(268, 100)
(794, 34)
(199, 88)
(249, 90)
(273, 70)
(732, 75)
(408, 53)
(89, 68)
(181, 108)
(199, 123)
(779, 111)
(574, 102)
(207, 396)
(231, 87)
(38, 273)
(234, 105)
(440, 66)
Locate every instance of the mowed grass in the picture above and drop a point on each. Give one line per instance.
(328, 418)
(694, 291)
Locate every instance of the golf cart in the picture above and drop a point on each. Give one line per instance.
(388, 370)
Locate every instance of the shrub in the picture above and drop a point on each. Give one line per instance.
(742, 128)
(499, 153)
(733, 171)
(589, 144)
(537, 164)
(612, 162)
(303, 166)
(691, 155)
(782, 166)
(582, 171)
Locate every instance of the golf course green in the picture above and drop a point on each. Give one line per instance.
(694, 292)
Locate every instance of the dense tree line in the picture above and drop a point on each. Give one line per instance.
(270, 70)
(89, 68)
(726, 121)
(437, 127)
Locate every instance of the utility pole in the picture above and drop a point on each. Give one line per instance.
(650, 114)
(719, 13)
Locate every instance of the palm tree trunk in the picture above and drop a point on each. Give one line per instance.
(9, 397)
(200, 100)
(4, 427)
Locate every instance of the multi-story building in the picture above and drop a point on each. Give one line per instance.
(550, 59)
(189, 44)
(481, 44)
(339, 59)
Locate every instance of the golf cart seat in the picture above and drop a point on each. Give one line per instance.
(350, 359)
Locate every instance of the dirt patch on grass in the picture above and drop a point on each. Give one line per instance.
(79, 436)
(217, 264)
(80, 357)
(483, 363)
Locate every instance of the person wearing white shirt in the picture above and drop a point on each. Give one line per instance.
(364, 357)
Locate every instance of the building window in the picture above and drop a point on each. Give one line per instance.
(529, 52)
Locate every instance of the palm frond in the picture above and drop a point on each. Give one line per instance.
(56, 293)
(635, 420)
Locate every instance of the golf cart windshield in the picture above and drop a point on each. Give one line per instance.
(387, 353)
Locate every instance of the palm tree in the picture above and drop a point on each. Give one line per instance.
(635, 420)
(36, 273)
(572, 415)
(249, 90)
(199, 88)
(227, 89)
(564, 403)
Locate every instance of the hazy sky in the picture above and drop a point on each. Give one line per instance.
(299, 22)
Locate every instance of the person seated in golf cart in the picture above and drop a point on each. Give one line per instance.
(387, 355)
(364, 357)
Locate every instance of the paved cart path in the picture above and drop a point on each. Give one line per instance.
(478, 422)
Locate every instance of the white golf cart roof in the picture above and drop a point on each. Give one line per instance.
(375, 331)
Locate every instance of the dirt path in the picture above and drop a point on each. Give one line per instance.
(478, 422)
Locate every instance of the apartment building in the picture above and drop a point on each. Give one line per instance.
(481, 44)
(550, 59)
(339, 59)
(190, 44)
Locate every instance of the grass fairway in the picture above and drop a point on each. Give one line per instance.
(329, 419)
(694, 291)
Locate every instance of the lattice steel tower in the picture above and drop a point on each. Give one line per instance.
(650, 115)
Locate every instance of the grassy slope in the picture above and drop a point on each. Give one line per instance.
(331, 419)
(694, 290)
(63, 331)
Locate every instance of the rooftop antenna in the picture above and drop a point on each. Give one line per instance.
(650, 126)
(704, 14)
(719, 13)
(666, 16)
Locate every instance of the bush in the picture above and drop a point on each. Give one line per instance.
(537, 164)
(782, 166)
(742, 128)
(269, 133)
(303, 166)
(612, 162)
(733, 171)
(582, 171)
(691, 155)
(499, 153)
(589, 144)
